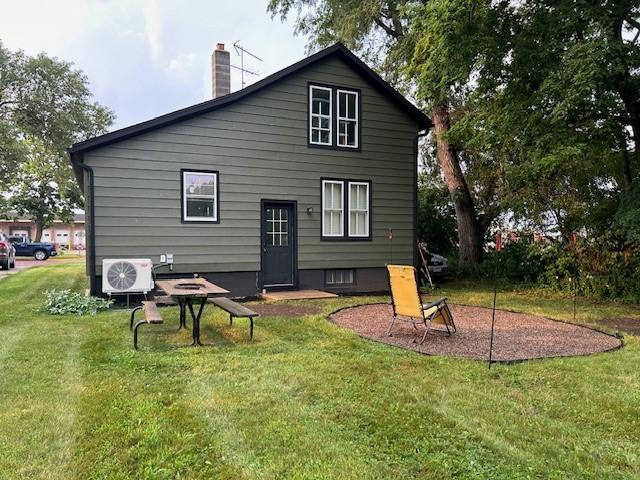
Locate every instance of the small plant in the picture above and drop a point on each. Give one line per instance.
(66, 302)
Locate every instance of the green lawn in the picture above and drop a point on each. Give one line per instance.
(306, 399)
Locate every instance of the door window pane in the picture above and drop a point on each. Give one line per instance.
(277, 227)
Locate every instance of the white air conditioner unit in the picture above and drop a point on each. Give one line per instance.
(127, 275)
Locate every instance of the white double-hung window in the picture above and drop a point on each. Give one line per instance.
(332, 208)
(199, 196)
(347, 118)
(320, 111)
(346, 209)
(358, 209)
(334, 117)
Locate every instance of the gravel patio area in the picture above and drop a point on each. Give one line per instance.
(517, 336)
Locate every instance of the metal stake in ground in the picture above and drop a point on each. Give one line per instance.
(574, 276)
(495, 293)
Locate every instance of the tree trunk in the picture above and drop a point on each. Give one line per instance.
(632, 106)
(39, 223)
(629, 96)
(627, 177)
(469, 238)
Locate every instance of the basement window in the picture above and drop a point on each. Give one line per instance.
(199, 196)
(339, 277)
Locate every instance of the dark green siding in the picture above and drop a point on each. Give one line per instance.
(259, 146)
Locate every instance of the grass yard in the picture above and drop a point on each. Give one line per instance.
(306, 399)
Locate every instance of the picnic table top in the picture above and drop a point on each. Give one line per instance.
(190, 287)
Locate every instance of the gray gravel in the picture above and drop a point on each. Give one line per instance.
(517, 336)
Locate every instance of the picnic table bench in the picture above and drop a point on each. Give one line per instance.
(183, 292)
(151, 316)
(235, 309)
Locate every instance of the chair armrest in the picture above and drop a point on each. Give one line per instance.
(435, 303)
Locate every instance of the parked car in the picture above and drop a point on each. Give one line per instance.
(437, 264)
(39, 250)
(7, 253)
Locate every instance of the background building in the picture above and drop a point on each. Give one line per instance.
(67, 235)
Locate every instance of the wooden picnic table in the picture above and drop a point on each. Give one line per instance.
(184, 291)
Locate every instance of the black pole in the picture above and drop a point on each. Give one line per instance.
(495, 294)
(573, 243)
(575, 293)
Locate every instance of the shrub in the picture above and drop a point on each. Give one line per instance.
(601, 268)
(66, 302)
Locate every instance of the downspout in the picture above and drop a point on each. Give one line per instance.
(420, 134)
(76, 160)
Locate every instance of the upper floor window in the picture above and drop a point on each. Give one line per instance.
(334, 117)
(199, 196)
(347, 119)
(320, 108)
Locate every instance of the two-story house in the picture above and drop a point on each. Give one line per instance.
(292, 182)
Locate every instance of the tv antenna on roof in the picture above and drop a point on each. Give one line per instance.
(240, 50)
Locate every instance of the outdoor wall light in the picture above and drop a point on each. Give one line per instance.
(309, 210)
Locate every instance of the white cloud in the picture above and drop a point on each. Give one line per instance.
(182, 65)
(153, 28)
(145, 58)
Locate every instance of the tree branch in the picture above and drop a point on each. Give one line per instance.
(390, 31)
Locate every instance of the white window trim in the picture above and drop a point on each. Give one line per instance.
(356, 119)
(342, 210)
(321, 116)
(367, 210)
(188, 218)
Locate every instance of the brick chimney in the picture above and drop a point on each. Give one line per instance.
(220, 72)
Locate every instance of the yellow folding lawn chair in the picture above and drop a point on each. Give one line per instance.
(406, 302)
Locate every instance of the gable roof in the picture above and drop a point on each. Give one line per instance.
(338, 49)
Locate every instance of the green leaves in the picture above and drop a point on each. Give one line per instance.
(45, 107)
(46, 98)
(67, 302)
(43, 188)
(449, 38)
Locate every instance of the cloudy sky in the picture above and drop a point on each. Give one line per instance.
(144, 58)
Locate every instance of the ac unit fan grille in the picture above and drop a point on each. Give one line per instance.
(122, 275)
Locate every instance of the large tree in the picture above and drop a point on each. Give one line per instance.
(41, 190)
(45, 106)
(384, 32)
(555, 108)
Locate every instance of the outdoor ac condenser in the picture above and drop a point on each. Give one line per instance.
(127, 275)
